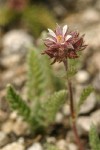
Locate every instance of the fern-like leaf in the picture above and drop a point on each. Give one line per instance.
(73, 65)
(53, 104)
(71, 72)
(85, 93)
(35, 76)
(39, 75)
(94, 139)
(17, 103)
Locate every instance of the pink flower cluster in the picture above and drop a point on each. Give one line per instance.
(62, 44)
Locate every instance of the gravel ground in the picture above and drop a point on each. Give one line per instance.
(14, 132)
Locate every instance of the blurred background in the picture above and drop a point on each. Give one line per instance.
(22, 25)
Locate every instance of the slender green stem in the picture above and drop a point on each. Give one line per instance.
(73, 116)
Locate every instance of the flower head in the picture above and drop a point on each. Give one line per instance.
(62, 44)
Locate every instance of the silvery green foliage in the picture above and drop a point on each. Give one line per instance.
(94, 138)
(53, 104)
(17, 103)
(41, 85)
(42, 114)
(39, 75)
(85, 93)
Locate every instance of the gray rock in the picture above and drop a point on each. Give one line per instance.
(14, 75)
(95, 118)
(3, 139)
(16, 41)
(15, 46)
(35, 146)
(51, 140)
(90, 37)
(83, 125)
(90, 16)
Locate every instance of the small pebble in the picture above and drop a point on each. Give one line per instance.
(66, 110)
(62, 145)
(51, 140)
(35, 146)
(59, 117)
(16, 41)
(72, 146)
(82, 76)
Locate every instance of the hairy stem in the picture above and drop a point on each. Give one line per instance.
(73, 116)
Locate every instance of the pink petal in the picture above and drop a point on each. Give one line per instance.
(52, 33)
(64, 30)
(58, 30)
(48, 43)
(68, 37)
(50, 39)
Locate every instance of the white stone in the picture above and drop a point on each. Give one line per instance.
(72, 146)
(59, 117)
(19, 127)
(82, 76)
(83, 125)
(7, 127)
(13, 115)
(3, 138)
(16, 41)
(21, 140)
(62, 144)
(35, 146)
(13, 146)
(66, 110)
